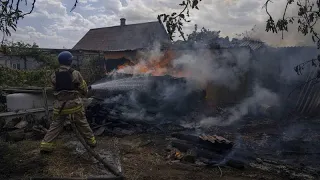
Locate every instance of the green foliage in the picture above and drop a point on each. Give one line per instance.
(24, 50)
(40, 77)
(248, 35)
(307, 17)
(175, 20)
(203, 35)
(11, 13)
(12, 77)
(203, 38)
(91, 69)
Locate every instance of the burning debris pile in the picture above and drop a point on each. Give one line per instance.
(151, 97)
(151, 101)
(169, 87)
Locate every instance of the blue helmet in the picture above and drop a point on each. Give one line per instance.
(65, 58)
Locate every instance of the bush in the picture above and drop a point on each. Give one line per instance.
(12, 77)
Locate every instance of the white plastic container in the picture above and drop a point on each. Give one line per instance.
(23, 101)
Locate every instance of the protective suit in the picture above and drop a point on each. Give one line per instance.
(69, 87)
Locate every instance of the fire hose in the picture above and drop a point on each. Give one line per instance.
(113, 170)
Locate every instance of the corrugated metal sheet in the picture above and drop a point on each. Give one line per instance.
(121, 38)
(254, 45)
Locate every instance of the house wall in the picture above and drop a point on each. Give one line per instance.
(115, 59)
(16, 62)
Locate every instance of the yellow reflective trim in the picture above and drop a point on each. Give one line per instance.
(47, 146)
(83, 84)
(93, 140)
(68, 111)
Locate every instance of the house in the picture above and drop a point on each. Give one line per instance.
(17, 62)
(121, 43)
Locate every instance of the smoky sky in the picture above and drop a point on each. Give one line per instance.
(61, 28)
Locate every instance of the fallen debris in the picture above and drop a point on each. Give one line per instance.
(210, 150)
(285, 169)
(214, 143)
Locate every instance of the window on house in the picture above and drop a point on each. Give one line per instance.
(15, 66)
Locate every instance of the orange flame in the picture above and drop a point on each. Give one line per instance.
(156, 66)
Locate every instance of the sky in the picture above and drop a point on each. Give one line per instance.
(52, 25)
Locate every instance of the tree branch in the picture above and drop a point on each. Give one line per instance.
(74, 6)
(174, 21)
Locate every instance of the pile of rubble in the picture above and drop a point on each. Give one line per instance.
(23, 127)
(203, 149)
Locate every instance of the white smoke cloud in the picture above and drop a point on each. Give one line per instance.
(223, 67)
(260, 96)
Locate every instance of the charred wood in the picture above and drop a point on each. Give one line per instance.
(185, 146)
(211, 143)
(208, 157)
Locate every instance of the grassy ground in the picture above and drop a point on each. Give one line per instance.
(142, 157)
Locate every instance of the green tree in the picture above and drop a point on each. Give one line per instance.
(202, 38)
(307, 18)
(11, 13)
(203, 35)
(39, 77)
(25, 50)
(174, 22)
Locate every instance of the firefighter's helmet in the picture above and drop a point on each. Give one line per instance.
(65, 58)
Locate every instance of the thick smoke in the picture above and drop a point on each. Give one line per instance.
(163, 99)
(223, 67)
(169, 101)
(277, 64)
(233, 114)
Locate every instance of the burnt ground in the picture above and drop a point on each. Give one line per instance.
(139, 161)
(270, 150)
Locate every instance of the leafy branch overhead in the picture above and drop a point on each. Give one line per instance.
(11, 13)
(306, 18)
(174, 22)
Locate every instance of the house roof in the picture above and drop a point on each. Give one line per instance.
(254, 45)
(125, 37)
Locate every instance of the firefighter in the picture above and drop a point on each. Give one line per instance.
(69, 87)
